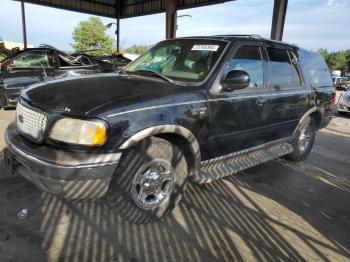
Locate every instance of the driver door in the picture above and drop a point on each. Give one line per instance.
(239, 119)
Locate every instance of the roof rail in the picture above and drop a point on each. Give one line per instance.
(280, 42)
(255, 36)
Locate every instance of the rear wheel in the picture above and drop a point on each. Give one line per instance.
(304, 141)
(149, 181)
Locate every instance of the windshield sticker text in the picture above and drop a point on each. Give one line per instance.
(205, 48)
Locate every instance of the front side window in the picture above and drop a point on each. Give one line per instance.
(248, 59)
(281, 69)
(187, 60)
(31, 59)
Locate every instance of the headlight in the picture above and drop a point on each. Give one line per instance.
(82, 132)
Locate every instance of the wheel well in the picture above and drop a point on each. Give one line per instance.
(182, 144)
(317, 116)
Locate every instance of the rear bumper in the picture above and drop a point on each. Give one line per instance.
(65, 174)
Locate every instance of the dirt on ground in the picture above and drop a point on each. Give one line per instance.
(276, 211)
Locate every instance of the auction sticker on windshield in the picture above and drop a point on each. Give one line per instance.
(205, 48)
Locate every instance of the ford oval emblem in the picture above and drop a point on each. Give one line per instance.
(20, 119)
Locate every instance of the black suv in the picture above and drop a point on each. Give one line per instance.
(196, 108)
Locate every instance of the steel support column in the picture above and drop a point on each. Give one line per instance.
(117, 32)
(24, 25)
(170, 19)
(279, 15)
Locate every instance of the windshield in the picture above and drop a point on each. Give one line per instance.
(188, 60)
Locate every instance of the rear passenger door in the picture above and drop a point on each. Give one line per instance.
(288, 93)
(239, 119)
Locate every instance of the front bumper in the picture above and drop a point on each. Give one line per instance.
(65, 174)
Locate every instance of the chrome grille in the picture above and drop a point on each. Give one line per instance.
(30, 122)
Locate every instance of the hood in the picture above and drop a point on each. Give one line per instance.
(80, 95)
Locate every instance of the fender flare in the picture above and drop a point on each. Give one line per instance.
(174, 129)
(306, 114)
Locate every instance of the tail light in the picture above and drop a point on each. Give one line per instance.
(334, 98)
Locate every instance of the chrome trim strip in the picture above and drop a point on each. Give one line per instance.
(268, 93)
(238, 96)
(29, 157)
(155, 107)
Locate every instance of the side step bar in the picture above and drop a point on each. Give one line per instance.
(220, 167)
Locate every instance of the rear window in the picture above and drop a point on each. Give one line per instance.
(283, 72)
(315, 68)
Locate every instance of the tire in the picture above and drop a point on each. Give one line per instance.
(341, 113)
(149, 182)
(307, 130)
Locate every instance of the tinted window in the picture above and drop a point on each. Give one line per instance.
(248, 58)
(281, 69)
(315, 68)
(31, 59)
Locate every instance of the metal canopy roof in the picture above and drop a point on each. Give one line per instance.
(120, 8)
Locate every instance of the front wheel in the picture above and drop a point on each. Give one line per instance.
(149, 181)
(304, 140)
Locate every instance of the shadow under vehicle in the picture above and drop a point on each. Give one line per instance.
(44, 63)
(196, 108)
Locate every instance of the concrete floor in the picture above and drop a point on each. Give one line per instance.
(276, 211)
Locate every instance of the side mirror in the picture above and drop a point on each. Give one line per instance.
(236, 79)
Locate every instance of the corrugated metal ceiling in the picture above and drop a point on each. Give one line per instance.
(125, 8)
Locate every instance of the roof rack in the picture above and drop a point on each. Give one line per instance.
(255, 36)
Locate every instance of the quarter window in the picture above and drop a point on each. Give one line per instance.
(248, 58)
(316, 69)
(31, 59)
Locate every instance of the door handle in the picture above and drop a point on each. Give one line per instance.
(198, 113)
(261, 101)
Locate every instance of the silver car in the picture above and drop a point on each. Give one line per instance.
(343, 105)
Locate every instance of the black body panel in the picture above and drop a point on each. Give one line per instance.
(221, 121)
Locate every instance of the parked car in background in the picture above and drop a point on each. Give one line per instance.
(109, 63)
(34, 65)
(196, 109)
(343, 105)
(341, 83)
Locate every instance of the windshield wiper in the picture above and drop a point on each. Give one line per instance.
(149, 72)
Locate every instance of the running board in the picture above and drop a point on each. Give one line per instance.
(220, 167)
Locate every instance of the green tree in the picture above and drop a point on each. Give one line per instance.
(339, 60)
(137, 49)
(91, 34)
